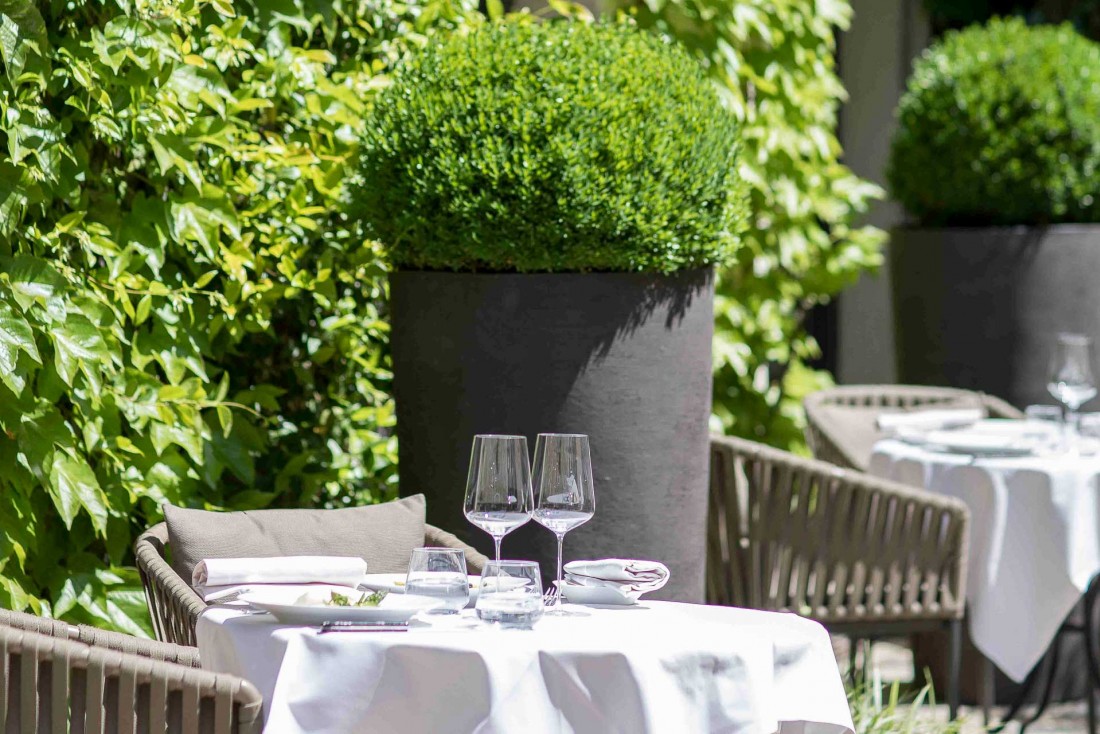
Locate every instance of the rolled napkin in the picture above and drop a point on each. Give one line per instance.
(216, 577)
(929, 420)
(631, 577)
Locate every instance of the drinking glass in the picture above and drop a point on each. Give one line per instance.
(1043, 413)
(441, 574)
(498, 487)
(510, 593)
(1070, 380)
(566, 492)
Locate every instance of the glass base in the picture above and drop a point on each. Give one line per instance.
(559, 611)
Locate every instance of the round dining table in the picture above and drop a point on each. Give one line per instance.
(652, 667)
(1034, 541)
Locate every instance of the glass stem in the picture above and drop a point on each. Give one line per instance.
(557, 597)
(1071, 429)
(496, 542)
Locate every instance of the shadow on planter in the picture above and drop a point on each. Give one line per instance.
(979, 308)
(622, 357)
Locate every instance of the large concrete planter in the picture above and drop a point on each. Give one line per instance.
(980, 308)
(625, 358)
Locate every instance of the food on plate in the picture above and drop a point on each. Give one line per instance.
(336, 599)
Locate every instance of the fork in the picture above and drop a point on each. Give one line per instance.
(549, 597)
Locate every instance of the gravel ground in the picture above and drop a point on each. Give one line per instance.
(894, 662)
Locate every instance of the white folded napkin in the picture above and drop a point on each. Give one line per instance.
(631, 577)
(929, 420)
(216, 577)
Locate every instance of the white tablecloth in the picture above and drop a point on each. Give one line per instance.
(1034, 544)
(657, 667)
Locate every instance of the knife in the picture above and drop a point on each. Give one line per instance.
(364, 627)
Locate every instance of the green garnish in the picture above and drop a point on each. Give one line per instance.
(337, 599)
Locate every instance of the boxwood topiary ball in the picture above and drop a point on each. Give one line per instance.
(552, 146)
(1001, 125)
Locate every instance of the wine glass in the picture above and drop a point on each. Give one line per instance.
(1071, 381)
(498, 487)
(566, 492)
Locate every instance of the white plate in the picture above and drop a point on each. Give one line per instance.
(395, 583)
(979, 444)
(308, 608)
(576, 594)
(991, 437)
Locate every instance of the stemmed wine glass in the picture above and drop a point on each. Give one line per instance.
(566, 492)
(1071, 381)
(498, 487)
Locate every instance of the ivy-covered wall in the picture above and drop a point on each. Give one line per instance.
(776, 65)
(188, 315)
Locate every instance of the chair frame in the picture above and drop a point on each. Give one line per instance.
(865, 557)
(106, 639)
(175, 607)
(52, 681)
(899, 397)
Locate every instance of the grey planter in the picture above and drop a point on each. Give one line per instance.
(624, 358)
(980, 308)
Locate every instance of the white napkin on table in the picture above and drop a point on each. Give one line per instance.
(218, 577)
(929, 420)
(631, 577)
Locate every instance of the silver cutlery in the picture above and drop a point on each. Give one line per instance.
(364, 627)
(228, 598)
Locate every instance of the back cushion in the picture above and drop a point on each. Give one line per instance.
(382, 535)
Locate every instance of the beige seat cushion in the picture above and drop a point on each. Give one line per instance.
(382, 535)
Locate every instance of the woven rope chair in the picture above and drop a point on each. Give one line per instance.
(865, 557)
(840, 421)
(174, 605)
(162, 651)
(55, 683)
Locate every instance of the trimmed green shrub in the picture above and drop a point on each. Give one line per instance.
(1001, 125)
(774, 64)
(555, 146)
(186, 315)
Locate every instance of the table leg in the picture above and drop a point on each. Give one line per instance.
(1090, 697)
(989, 691)
(1093, 676)
(1045, 700)
(955, 655)
(1025, 693)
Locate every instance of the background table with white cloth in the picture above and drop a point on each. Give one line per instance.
(1034, 544)
(654, 667)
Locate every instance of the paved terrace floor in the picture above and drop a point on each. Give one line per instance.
(894, 662)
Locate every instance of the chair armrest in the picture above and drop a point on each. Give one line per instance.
(173, 604)
(475, 561)
(152, 649)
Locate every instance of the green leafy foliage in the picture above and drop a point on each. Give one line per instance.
(555, 146)
(774, 63)
(186, 315)
(1001, 125)
(879, 708)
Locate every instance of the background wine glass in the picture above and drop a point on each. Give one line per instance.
(566, 492)
(1071, 380)
(498, 487)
